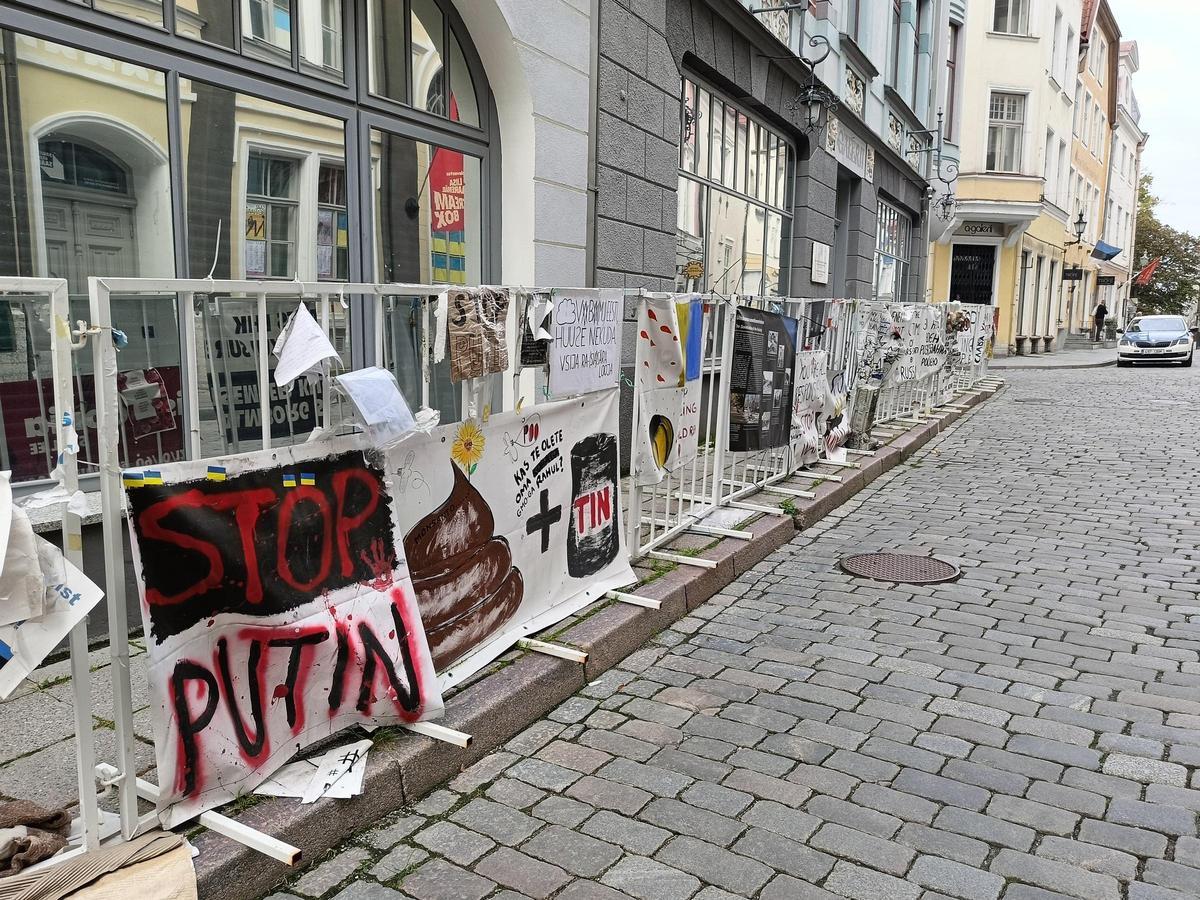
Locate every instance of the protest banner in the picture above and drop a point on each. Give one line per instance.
(510, 525)
(278, 609)
(760, 383)
(811, 385)
(669, 362)
(585, 350)
(232, 349)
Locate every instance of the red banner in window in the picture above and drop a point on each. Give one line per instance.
(447, 186)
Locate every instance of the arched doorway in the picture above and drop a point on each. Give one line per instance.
(89, 211)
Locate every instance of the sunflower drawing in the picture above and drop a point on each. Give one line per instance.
(467, 449)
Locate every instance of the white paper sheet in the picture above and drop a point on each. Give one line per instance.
(347, 764)
(439, 326)
(383, 409)
(301, 348)
(585, 352)
(68, 597)
(21, 590)
(6, 508)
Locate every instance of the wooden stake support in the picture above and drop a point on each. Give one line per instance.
(568, 653)
(634, 600)
(439, 733)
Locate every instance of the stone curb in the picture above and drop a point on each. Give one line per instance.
(1010, 368)
(501, 705)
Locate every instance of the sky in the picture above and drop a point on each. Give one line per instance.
(1166, 32)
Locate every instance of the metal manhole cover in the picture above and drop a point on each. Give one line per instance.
(900, 568)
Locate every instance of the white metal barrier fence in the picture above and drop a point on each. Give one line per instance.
(717, 477)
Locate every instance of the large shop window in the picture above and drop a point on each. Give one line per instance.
(732, 207)
(266, 190)
(891, 252)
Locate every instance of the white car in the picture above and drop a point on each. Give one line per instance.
(1157, 339)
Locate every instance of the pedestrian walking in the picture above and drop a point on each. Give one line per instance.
(1099, 314)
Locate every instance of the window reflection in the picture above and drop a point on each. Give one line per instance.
(731, 223)
(148, 11)
(265, 187)
(427, 230)
(85, 193)
(429, 85)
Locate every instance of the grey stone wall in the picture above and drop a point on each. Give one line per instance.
(645, 45)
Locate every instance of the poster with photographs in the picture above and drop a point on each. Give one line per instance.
(760, 382)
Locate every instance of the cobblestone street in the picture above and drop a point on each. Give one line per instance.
(1027, 732)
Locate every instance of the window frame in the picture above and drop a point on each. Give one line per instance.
(1006, 126)
(774, 152)
(1016, 18)
(898, 250)
(952, 50)
(894, 63)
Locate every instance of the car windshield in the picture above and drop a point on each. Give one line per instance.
(1158, 323)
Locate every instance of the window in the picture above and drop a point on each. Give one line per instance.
(1099, 58)
(891, 253)
(952, 80)
(1049, 162)
(333, 232)
(1055, 64)
(1006, 132)
(270, 248)
(1011, 17)
(1067, 56)
(1077, 111)
(732, 220)
(853, 24)
(1063, 174)
(894, 75)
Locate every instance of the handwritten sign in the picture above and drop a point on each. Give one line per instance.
(278, 609)
(584, 352)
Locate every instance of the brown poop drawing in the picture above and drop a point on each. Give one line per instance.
(466, 585)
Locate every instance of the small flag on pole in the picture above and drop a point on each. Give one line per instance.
(308, 479)
(289, 481)
(1143, 277)
(216, 473)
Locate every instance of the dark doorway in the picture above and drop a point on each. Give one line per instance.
(971, 269)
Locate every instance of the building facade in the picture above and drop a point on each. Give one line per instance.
(707, 176)
(1124, 173)
(410, 141)
(1004, 244)
(1092, 148)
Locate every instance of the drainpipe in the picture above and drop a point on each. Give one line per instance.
(589, 263)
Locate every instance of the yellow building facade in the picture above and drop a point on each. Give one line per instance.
(1004, 244)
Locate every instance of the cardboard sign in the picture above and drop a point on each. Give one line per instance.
(585, 352)
(669, 362)
(922, 344)
(278, 609)
(511, 525)
(760, 401)
(477, 322)
(811, 385)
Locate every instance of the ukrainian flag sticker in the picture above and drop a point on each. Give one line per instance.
(289, 481)
(216, 473)
(132, 479)
(308, 479)
(152, 476)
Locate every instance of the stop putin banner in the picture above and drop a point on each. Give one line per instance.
(278, 609)
(510, 525)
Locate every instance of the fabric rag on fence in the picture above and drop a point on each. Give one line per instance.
(29, 834)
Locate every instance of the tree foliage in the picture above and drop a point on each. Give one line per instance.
(1175, 285)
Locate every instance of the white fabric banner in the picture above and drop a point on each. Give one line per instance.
(585, 350)
(278, 610)
(511, 525)
(811, 382)
(669, 360)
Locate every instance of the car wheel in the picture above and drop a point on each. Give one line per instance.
(1188, 362)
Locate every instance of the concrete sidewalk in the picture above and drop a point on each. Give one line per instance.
(1065, 359)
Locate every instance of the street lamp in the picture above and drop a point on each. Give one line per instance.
(1080, 225)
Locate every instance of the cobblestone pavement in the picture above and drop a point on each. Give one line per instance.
(1030, 731)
